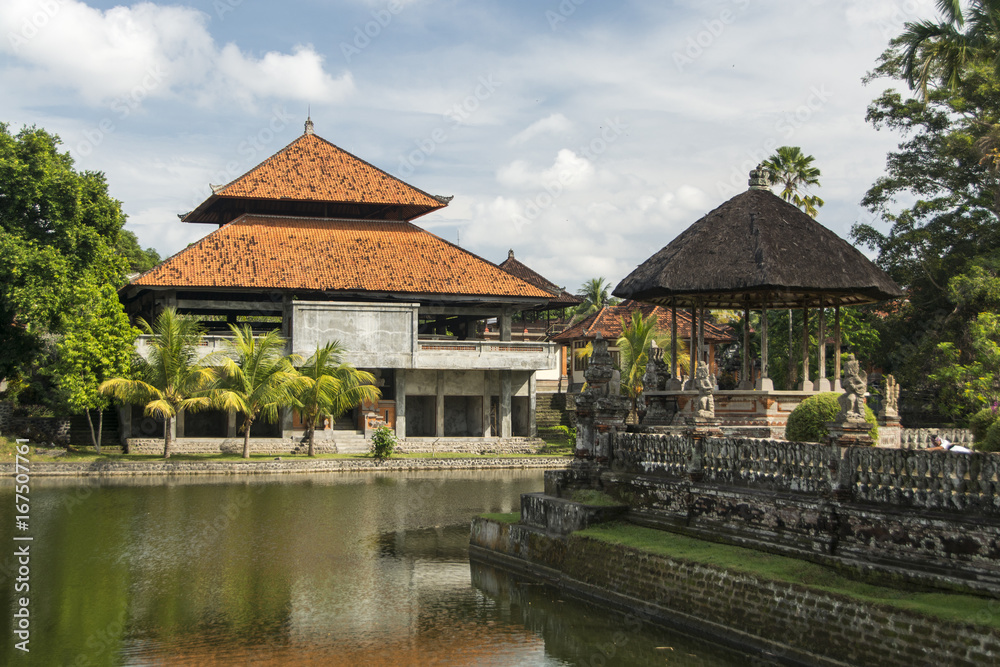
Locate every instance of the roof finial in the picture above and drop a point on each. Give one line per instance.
(309, 124)
(758, 178)
(510, 254)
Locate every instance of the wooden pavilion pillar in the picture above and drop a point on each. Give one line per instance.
(764, 383)
(836, 349)
(805, 385)
(745, 381)
(675, 378)
(701, 339)
(693, 349)
(822, 383)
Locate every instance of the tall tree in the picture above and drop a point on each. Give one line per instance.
(794, 172)
(97, 346)
(57, 226)
(255, 379)
(171, 379)
(328, 386)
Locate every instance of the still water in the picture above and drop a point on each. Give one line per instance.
(336, 569)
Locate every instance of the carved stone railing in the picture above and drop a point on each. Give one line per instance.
(922, 438)
(655, 454)
(930, 480)
(775, 465)
(898, 477)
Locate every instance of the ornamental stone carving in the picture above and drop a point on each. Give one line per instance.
(705, 384)
(852, 401)
(890, 402)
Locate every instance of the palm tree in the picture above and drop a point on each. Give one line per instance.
(943, 49)
(633, 348)
(326, 386)
(171, 380)
(595, 294)
(254, 379)
(793, 171)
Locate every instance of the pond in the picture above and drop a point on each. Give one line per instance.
(334, 569)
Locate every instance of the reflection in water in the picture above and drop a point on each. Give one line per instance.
(309, 570)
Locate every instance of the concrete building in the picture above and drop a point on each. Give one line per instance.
(321, 244)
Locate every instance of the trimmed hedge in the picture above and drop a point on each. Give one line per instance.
(807, 423)
(981, 422)
(991, 441)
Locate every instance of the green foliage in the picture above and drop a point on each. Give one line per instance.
(58, 227)
(383, 443)
(980, 422)
(596, 293)
(569, 433)
(327, 386)
(808, 420)
(967, 387)
(991, 442)
(138, 260)
(171, 379)
(253, 378)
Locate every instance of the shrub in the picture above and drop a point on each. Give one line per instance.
(807, 423)
(980, 423)
(991, 441)
(383, 443)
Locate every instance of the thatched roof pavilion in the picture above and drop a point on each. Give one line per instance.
(757, 251)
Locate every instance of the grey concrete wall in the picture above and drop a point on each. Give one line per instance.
(376, 335)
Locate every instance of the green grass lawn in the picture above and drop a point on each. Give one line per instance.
(950, 606)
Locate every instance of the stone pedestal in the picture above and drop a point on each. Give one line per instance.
(890, 433)
(849, 434)
(656, 410)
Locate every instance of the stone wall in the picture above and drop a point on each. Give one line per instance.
(928, 517)
(297, 445)
(786, 622)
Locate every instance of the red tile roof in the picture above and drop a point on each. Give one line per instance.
(314, 169)
(327, 254)
(608, 322)
(563, 299)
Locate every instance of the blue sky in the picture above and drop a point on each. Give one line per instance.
(584, 134)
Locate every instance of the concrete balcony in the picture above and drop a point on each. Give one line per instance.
(209, 345)
(483, 354)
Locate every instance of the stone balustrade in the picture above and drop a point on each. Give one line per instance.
(897, 477)
(923, 438)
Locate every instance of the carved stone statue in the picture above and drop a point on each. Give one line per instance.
(655, 378)
(890, 403)
(705, 384)
(852, 401)
(601, 368)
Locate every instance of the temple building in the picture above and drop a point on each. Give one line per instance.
(321, 245)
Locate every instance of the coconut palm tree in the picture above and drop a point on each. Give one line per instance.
(941, 50)
(171, 379)
(327, 386)
(633, 348)
(595, 294)
(793, 171)
(254, 378)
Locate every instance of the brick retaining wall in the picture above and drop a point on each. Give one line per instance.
(793, 623)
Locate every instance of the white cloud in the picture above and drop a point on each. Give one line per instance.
(553, 124)
(128, 54)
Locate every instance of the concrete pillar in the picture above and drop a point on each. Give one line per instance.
(806, 385)
(439, 406)
(532, 430)
(505, 429)
(124, 424)
(232, 430)
(401, 403)
(822, 384)
(488, 384)
(179, 424)
(505, 316)
(285, 419)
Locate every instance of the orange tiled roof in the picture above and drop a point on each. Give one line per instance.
(608, 322)
(562, 298)
(325, 254)
(311, 168)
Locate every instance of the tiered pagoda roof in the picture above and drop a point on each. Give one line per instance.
(313, 177)
(561, 298)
